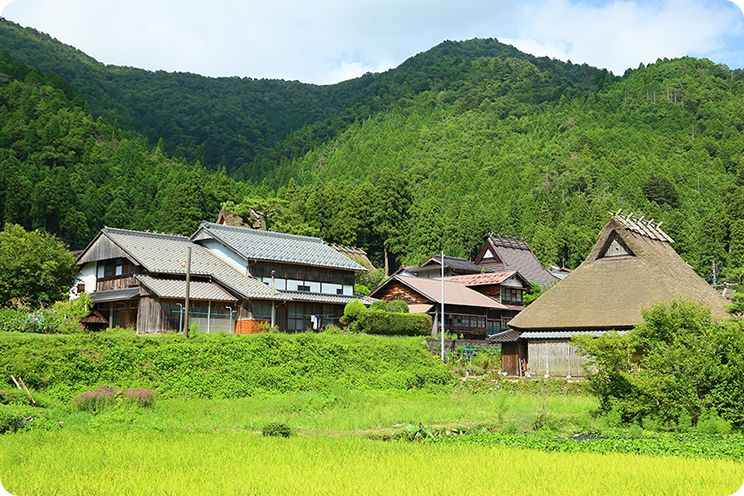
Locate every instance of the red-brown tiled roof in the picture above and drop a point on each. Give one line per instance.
(482, 279)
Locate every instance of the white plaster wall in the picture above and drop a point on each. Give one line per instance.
(88, 277)
(226, 254)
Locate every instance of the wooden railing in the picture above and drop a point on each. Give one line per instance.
(111, 283)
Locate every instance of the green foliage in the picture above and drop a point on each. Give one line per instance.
(379, 306)
(12, 417)
(352, 311)
(361, 290)
(710, 423)
(697, 446)
(35, 268)
(276, 429)
(396, 306)
(385, 323)
(219, 366)
(678, 363)
(737, 308)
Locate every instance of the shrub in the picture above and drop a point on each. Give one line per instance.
(393, 324)
(361, 289)
(710, 423)
(397, 306)
(276, 429)
(332, 329)
(379, 305)
(352, 311)
(14, 320)
(13, 397)
(681, 360)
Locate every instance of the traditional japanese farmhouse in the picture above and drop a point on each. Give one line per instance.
(503, 254)
(632, 266)
(240, 278)
(475, 306)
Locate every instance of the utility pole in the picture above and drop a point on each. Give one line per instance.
(273, 303)
(188, 284)
(442, 320)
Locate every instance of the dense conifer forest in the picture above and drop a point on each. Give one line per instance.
(464, 139)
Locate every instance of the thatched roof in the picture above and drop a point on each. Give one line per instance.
(632, 266)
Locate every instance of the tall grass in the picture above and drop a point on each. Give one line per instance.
(74, 463)
(340, 411)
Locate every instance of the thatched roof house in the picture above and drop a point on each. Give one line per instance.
(632, 266)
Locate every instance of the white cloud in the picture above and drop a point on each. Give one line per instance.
(328, 40)
(622, 34)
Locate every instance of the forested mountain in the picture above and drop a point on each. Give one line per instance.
(500, 152)
(227, 119)
(464, 139)
(63, 172)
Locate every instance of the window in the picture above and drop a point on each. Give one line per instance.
(261, 311)
(511, 295)
(303, 288)
(115, 268)
(340, 291)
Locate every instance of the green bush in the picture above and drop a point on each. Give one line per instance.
(276, 429)
(14, 320)
(13, 396)
(710, 423)
(393, 324)
(379, 305)
(397, 306)
(681, 362)
(352, 311)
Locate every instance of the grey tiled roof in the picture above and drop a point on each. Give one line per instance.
(326, 298)
(253, 244)
(517, 255)
(114, 294)
(459, 265)
(175, 287)
(166, 254)
(565, 334)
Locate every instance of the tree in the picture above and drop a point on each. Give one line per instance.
(35, 268)
(687, 364)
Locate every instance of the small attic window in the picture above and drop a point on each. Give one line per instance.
(615, 247)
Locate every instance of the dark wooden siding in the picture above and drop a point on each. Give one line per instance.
(491, 290)
(302, 273)
(397, 291)
(150, 316)
(510, 359)
(103, 249)
(110, 283)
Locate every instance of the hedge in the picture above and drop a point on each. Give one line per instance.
(393, 324)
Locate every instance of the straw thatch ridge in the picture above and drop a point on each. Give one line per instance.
(608, 292)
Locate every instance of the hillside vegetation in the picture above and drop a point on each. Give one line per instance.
(664, 140)
(221, 366)
(464, 139)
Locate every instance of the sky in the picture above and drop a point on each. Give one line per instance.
(327, 41)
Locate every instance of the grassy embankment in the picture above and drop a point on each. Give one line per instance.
(185, 444)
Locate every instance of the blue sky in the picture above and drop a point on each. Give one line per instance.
(327, 41)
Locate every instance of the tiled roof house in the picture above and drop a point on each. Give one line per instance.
(139, 279)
